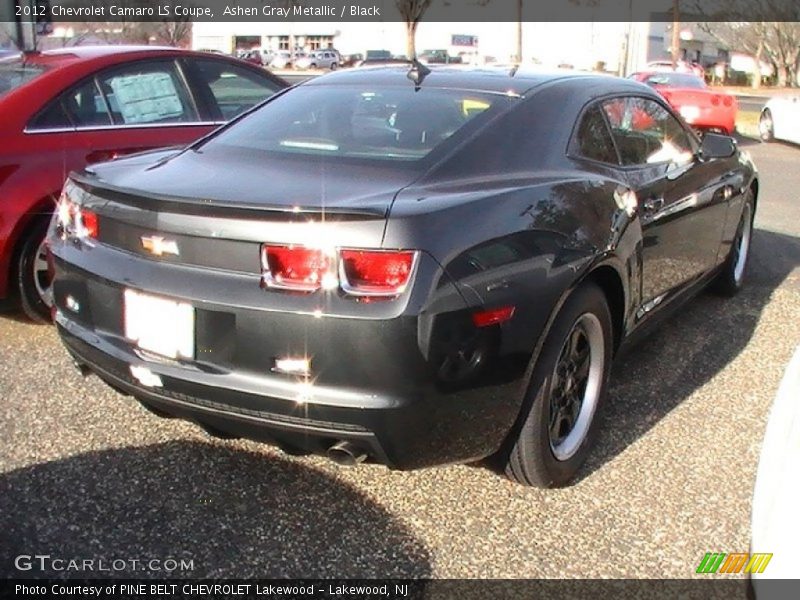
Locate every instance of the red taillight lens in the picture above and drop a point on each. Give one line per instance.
(295, 267)
(715, 100)
(89, 225)
(727, 101)
(375, 272)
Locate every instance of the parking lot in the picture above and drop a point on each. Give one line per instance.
(88, 473)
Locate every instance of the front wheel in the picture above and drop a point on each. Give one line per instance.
(33, 276)
(566, 388)
(766, 126)
(731, 278)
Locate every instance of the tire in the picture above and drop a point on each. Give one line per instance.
(731, 278)
(334, 66)
(35, 293)
(545, 452)
(766, 126)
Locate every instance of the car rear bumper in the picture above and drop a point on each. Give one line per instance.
(378, 388)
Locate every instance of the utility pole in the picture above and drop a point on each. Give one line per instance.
(676, 38)
(519, 32)
(18, 27)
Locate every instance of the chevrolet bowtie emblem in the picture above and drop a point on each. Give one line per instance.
(157, 245)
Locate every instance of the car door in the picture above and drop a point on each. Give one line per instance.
(682, 199)
(224, 89)
(124, 109)
(792, 112)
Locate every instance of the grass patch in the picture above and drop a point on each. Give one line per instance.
(747, 123)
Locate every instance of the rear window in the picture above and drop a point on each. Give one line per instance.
(678, 80)
(14, 73)
(389, 123)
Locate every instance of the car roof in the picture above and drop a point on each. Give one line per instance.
(76, 53)
(492, 79)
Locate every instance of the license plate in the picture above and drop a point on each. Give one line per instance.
(159, 325)
(690, 113)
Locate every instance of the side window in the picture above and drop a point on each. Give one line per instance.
(52, 117)
(83, 106)
(593, 139)
(646, 133)
(235, 89)
(147, 93)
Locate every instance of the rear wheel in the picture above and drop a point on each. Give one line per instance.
(731, 279)
(766, 126)
(334, 66)
(33, 277)
(566, 389)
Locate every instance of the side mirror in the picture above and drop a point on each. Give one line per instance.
(717, 146)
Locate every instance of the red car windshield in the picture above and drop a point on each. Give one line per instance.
(15, 73)
(675, 80)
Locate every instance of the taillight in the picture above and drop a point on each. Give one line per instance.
(363, 273)
(715, 100)
(297, 268)
(727, 100)
(375, 272)
(75, 221)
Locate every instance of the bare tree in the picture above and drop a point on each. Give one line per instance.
(776, 41)
(412, 12)
(173, 33)
(765, 29)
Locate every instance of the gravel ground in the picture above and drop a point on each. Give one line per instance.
(87, 473)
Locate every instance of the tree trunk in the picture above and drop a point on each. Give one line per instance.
(782, 76)
(757, 75)
(411, 39)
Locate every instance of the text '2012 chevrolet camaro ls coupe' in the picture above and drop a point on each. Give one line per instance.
(410, 267)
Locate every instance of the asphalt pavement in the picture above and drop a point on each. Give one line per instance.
(86, 473)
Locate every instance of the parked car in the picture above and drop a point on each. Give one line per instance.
(352, 60)
(64, 109)
(408, 272)
(254, 57)
(441, 57)
(682, 66)
(281, 60)
(775, 526)
(780, 119)
(703, 108)
(319, 59)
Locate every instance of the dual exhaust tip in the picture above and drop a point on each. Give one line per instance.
(346, 454)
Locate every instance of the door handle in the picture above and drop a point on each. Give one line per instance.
(653, 204)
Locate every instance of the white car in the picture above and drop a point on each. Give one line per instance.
(775, 518)
(780, 120)
(281, 60)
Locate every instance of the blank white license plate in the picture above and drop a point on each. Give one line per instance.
(690, 113)
(159, 325)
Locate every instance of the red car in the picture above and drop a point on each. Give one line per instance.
(64, 109)
(700, 106)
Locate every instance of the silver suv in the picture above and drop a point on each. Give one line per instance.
(320, 59)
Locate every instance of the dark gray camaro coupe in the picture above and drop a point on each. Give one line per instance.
(408, 267)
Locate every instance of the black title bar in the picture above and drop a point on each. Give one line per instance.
(375, 11)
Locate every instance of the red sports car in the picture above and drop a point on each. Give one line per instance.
(64, 109)
(700, 106)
